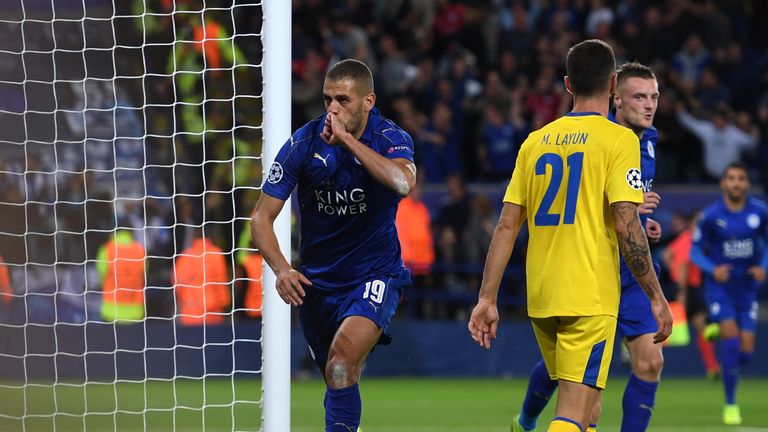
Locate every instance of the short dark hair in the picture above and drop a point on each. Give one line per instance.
(589, 65)
(353, 69)
(736, 165)
(634, 70)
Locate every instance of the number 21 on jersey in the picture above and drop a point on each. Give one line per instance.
(575, 161)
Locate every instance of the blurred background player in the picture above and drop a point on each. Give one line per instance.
(687, 279)
(352, 167)
(635, 100)
(573, 310)
(729, 245)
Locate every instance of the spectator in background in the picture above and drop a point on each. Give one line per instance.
(348, 40)
(544, 100)
(396, 72)
(739, 73)
(722, 141)
(600, 14)
(710, 92)
(690, 61)
(500, 140)
(440, 146)
(307, 88)
(477, 237)
(201, 280)
(687, 278)
(121, 267)
(254, 296)
(658, 35)
(519, 41)
(450, 275)
(453, 212)
(414, 227)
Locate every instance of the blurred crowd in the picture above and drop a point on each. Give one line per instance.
(153, 150)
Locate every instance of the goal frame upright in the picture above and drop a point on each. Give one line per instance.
(276, 324)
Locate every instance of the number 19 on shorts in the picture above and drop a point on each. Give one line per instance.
(374, 290)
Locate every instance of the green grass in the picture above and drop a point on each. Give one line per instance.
(396, 404)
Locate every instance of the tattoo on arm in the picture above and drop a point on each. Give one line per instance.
(634, 246)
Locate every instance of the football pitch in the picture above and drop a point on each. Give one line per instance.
(390, 404)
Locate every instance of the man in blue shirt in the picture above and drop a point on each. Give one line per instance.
(635, 100)
(729, 245)
(352, 166)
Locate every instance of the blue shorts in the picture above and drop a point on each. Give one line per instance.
(322, 312)
(635, 314)
(732, 301)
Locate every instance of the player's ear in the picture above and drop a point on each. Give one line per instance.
(369, 101)
(567, 82)
(616, 100)
(613, 84)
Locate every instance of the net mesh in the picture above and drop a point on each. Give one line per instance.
(130, 143)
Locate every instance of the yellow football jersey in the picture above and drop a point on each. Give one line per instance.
(566, 176)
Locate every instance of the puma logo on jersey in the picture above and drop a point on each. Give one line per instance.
(324, 160)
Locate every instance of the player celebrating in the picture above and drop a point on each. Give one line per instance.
(636, 99)
(729, 245)
(567, 176)
(352, 166)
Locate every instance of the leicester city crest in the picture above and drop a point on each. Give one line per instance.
(753, 221)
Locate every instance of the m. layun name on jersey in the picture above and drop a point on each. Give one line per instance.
(341, 202)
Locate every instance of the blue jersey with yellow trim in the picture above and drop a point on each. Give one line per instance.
(648, 168)
(348, 229)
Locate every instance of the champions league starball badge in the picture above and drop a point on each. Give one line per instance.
(634, 179)
(275, 173)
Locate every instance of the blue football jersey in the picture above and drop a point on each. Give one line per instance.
(648, 171)
(735, 238)
(348, 229)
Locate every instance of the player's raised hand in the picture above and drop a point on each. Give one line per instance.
(663, 316)
(758, 273)
(483, 323)
(338, 129)
(653, 230)
(722, 273)
(327, 134)
(289, 286)
(651, 200)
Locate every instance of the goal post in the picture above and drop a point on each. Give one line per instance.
(133, 137)
(276, 336)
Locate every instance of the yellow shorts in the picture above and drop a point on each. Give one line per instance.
(577, 349)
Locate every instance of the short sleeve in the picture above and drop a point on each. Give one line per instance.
(697, 238)
(517, 191)
(625, 181)
(283, 175)
(398, 144)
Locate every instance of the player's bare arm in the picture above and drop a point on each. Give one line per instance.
(485, 316)
(399, 175)
(634, 247)
(289, 281)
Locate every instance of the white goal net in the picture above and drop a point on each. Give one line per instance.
(130, 157)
